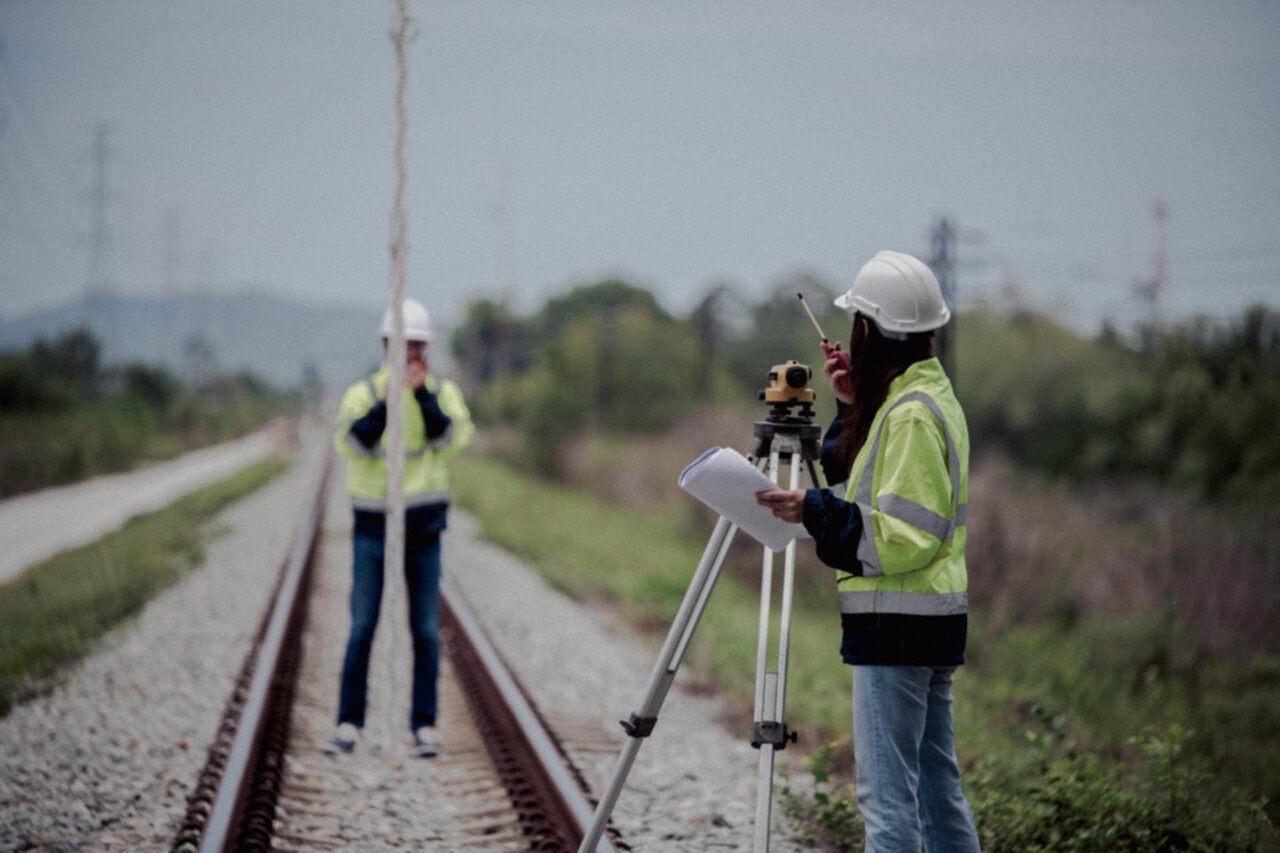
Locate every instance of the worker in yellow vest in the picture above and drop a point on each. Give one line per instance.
(437, 425)
(895, 532)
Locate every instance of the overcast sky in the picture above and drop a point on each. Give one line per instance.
(673, 143)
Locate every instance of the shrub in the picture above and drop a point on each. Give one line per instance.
(1080, 802)
(1064, 800)
(826, 818)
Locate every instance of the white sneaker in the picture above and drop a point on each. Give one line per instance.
(343, 741)
(425, 744)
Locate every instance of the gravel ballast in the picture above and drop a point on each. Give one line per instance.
(106, 759)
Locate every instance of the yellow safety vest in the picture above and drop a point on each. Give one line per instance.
(910, 483)
(426, 477)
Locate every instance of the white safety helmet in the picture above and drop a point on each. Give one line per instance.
(417, 322)
(899, 293)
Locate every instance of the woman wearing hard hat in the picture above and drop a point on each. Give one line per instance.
(897, 540)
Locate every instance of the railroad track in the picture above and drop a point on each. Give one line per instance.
(502, 782)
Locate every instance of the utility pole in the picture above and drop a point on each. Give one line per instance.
(942, 259)
(393, 552)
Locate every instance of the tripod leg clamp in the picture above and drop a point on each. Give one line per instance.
(775, 734)
(638, 726)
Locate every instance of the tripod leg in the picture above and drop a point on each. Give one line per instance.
(818, 481)
(771, 732)
(788, 593)
(766, 604)
(764, 793)
(642, 721)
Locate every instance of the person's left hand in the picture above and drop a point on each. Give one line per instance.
(788, 506)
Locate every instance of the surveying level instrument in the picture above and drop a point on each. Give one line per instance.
(789, 385)
(787, 436)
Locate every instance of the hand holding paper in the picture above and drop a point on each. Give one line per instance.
(788, 506)
(724, 480)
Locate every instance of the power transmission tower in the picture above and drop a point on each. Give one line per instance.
(1152, 290)
(100, 287)
(100, 238)
(1160, 273)
(171, 267)
(172, 258)
(942, 259)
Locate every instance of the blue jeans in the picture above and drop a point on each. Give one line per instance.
(908, 778)
(422, 577)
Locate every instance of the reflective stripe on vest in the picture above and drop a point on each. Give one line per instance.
(899, 507)
(410, 501)
(910, 603)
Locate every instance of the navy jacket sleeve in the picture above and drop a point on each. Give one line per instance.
(435, 420)
(833, 468)
(368, 429)
(836, 527)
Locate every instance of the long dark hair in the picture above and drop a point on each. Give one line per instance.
(875, 361)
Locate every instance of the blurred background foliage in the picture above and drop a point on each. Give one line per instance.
(1191, 406)
(65, 416)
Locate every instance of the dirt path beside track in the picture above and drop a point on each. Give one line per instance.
(34, 527)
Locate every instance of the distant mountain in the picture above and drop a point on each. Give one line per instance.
(245, 330)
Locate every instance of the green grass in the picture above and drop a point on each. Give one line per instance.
(39, 449)
(54, 612)
(1107, 680)
(1055, 722)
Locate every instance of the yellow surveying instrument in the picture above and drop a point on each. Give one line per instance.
(789, 384)
(787, 436)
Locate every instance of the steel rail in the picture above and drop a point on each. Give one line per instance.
(213, 813)
(517, 728)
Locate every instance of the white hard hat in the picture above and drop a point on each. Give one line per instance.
(417, 322)
(899, 293)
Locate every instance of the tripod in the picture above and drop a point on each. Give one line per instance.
(782, 437)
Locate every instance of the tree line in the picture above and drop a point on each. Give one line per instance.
(1191, 405)
(65, 415)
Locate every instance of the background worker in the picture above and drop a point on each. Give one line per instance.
(436, 426)
(897, 539)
